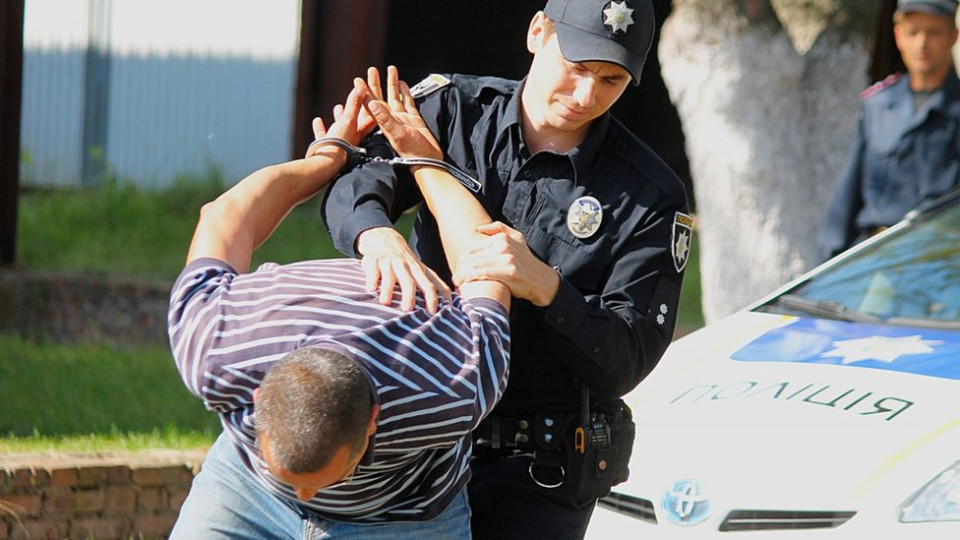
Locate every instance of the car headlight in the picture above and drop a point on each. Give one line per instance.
(939, 500)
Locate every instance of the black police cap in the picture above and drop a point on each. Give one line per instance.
(618, 31)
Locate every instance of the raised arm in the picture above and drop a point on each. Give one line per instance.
(359, 211)
(243, 217)
(457, 212)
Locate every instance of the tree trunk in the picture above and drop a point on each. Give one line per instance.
(767, 93)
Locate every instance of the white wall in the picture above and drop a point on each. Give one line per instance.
(192, 84)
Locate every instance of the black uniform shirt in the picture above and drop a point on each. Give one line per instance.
(615, 311)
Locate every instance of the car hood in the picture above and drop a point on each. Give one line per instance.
(764, 411)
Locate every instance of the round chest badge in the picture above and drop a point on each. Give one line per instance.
(584, 216)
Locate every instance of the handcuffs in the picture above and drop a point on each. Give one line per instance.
(358, 156)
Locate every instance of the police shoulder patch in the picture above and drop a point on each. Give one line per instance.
(431, 84)
(680, 236)
(882, 85)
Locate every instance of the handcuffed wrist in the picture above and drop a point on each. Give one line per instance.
(355, 154)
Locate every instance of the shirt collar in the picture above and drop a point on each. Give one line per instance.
(368, 454)
(511, 113)
(584, 155)
(939, 98)
(948, 92)
(581, 156)
(367, 458)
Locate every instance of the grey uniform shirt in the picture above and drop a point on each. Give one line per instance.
(902, 156)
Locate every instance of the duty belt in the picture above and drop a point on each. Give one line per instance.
(542, 430)
(592, 445)
(540, 433)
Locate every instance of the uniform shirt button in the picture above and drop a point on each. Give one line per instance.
(560, 319)
(527, 174)
(596, 349)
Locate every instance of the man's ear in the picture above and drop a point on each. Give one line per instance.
(535, 32)
(256, 394)
(372, 425)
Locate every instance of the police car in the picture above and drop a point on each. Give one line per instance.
(829, 409)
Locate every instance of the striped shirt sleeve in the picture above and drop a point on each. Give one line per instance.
(194, 325)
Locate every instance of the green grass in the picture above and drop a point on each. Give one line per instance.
(117, 229)
(170, 437)
(82, 395)
(690, 313)
(99, 397)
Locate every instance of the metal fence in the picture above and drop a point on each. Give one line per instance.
(184, 99)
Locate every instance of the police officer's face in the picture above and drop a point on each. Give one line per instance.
(925, 42)
(567, 96)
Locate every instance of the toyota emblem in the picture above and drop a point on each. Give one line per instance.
(685, 503)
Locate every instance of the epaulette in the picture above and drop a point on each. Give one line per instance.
(877, 87)
(431, 84)
(467, 85)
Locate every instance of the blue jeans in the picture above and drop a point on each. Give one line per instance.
(226, 502)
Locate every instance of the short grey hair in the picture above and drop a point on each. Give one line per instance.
(311, 403)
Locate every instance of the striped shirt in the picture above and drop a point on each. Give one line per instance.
(434, 377)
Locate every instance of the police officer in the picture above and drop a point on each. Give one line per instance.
(907, 148)
(592, 240)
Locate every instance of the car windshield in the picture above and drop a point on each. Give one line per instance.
(910, 278)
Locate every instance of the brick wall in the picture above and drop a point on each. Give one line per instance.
(68, 307)
(102, 496)
(114, 495)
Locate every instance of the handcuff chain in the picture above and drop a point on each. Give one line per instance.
(358, 156)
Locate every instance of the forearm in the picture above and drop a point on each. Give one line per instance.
(241, 219)
(457, 212)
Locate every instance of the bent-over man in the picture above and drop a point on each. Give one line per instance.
(342, 417)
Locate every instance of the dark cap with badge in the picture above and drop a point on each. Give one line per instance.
(944, 8)
(618, 31)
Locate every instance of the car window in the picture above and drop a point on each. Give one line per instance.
(914, 275)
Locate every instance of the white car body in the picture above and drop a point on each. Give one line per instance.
(766, 425)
